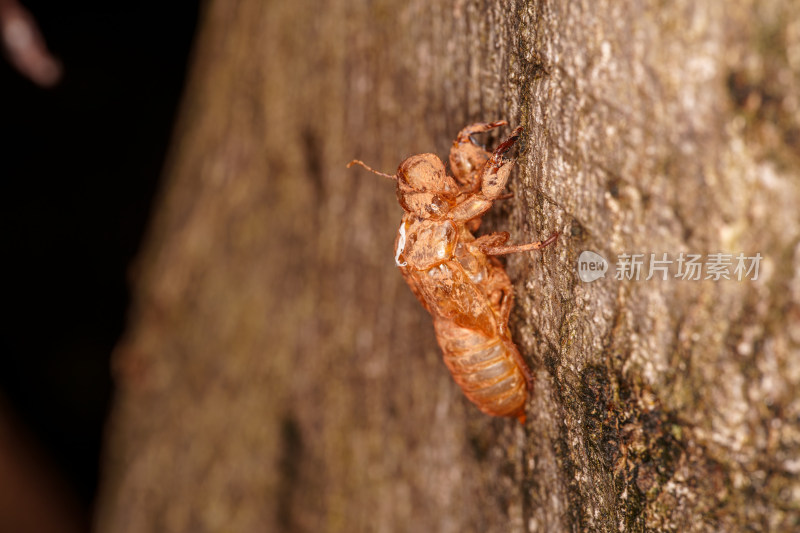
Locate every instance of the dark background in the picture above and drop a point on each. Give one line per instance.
(79, 168)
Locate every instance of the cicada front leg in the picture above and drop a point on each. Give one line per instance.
(467, 158)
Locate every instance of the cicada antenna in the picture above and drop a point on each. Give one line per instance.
(357, 162)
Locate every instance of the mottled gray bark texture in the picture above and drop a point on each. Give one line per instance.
(278, 376)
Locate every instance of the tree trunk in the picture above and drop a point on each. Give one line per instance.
(277, 375)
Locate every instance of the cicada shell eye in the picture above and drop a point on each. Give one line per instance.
(438, 206)
(424, 204)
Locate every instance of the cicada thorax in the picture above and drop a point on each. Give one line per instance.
(426, 252)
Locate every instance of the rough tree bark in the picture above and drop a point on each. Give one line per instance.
(277, 375)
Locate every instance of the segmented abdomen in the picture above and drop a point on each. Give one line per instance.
(484, 367)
